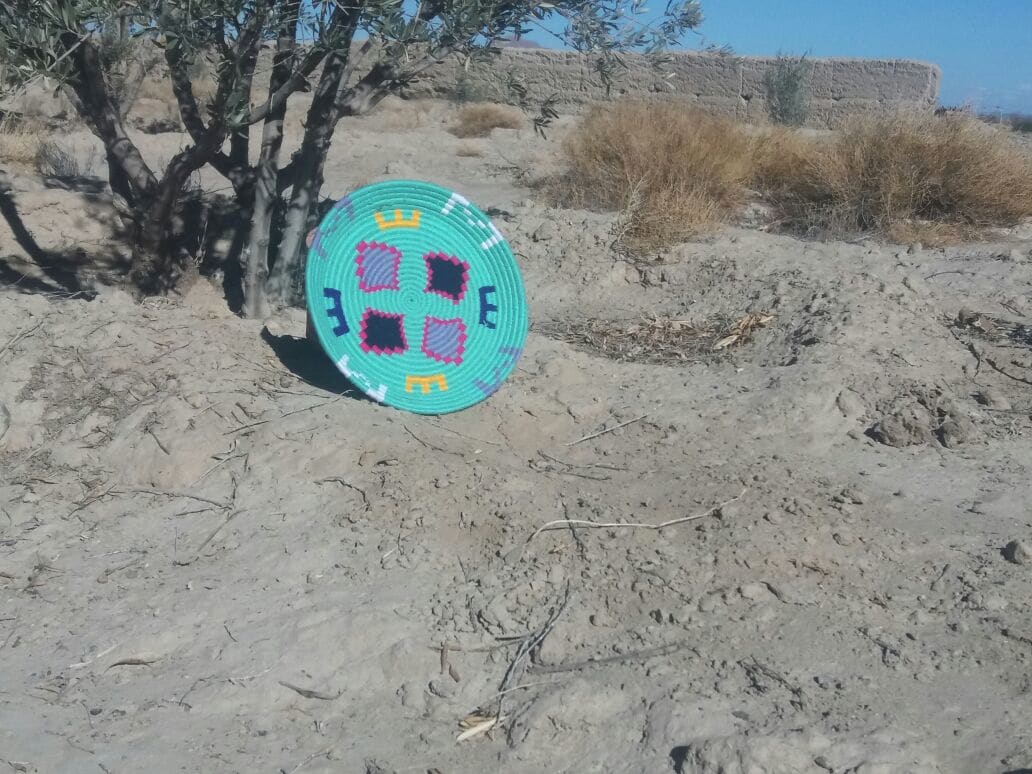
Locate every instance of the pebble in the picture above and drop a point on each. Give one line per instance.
(547, 231)
(1018, 552)
(843, 537)
(850, 404)
(600, 619)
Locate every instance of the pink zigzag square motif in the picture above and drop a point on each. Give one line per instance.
(362, 333)
(460, 347)
(362, 269)
(453, 260)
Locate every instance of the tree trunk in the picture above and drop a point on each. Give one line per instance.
(266, 189)
(308, 164)
(310, 161)
(156, 267)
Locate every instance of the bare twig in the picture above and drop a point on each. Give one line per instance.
(992, 363)
(201, 547)
(216, 466)
(19, 336)
(158, 493)
(607, 430)
(346, 485)
(566, 523)
(103, 577)
(527, 650)
(157, 440)
(573, 465)
(310, 693)
(429, 445)
(638, 655)
(134, 661)
(309, 759)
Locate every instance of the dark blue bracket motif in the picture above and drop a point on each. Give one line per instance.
(336, 311)
(486, 307)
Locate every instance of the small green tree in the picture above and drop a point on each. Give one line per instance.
(788, 89)
(398, 40)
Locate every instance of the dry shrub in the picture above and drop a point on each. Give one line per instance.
(157, 89)
(467, 150)
(398, 115)
(53, 160)
(674, 170)
(657, 339)
(909, 176)
(480, 119)
(19, 143)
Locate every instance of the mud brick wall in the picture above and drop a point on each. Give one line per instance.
(727, 84)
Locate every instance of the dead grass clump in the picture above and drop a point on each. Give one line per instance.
(657, 340)
(52, 160)
(468, 150)
(480, 119)
(934, 177)
(18, 143)
(673, 170)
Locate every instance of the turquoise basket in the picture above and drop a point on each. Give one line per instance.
(415, 295)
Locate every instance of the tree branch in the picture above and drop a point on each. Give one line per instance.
(95, 104)
(296, 82)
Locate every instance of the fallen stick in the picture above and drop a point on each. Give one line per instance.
(310, 693)
(564, 523)
(998, 369)
(638, 655)
(607, 430)
(201, 547)
(19, 336)
(158, 493)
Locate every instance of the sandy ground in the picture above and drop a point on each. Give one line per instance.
(212, 560)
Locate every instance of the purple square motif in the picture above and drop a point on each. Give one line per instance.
(377, 266)
(444, 340)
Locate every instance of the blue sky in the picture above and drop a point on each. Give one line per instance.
(984, 48)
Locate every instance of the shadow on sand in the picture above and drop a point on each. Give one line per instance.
(307, 361)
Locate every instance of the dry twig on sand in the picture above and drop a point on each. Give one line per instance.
(481, 721)
(204, 543)
(309, 759)
(310, 693)
(19, 336)
(566, 523)
(607, 430)
(637, 655)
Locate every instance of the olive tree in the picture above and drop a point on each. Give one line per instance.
(349, 54)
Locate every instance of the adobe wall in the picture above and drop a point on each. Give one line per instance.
(727, 84)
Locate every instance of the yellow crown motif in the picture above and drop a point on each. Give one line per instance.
(398, 221)
(425, 382)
